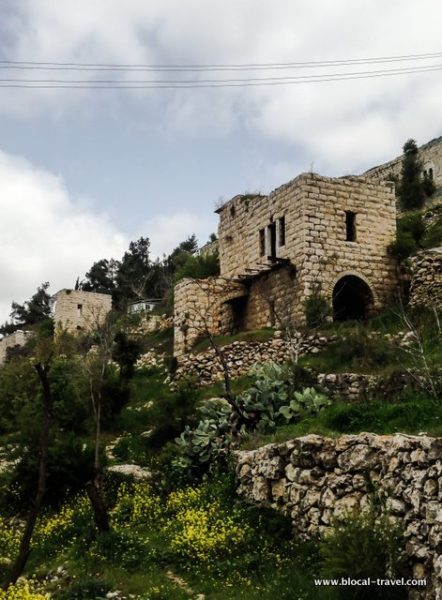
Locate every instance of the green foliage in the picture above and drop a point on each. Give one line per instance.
(35, 310)
(410, 189)
(365, 546)
(86, 589)
(355, 351)
(410, 232)
(317, 310)
(309, 401)
(125, 353)
(198, 267)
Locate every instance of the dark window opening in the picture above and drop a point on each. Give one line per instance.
(79, 309)
(282, 231)
(232, 211)
(430, 172)
(350, 226)
(272, 235)
(262, 242)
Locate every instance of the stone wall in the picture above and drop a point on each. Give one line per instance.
(294, 242)
(18, 338)
(426, 281)
(202, 306)
(315, 480)
(241, 356)
(430, 154)
(314, 212)
(77, 310)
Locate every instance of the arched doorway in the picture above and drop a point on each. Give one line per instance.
(352, 299)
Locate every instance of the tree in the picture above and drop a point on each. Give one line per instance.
(411, 189)
(44, 354)
(33, 311)
(133, 272)
(101, 277)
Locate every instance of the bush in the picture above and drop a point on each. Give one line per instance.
(410, 231)
(24, 591)
(198, 267)
(316, 310)
(87, 589)
(365, 546)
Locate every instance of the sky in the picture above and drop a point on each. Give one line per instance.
(84, 171)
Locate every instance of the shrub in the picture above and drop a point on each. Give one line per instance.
(366, 545)
(86, 589)
(316, 310)
(309, 402)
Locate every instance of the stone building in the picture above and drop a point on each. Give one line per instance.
(312, 235)
(75, 310)
(16, 339)
(430, 155)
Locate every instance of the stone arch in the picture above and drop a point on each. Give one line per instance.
(352, 297)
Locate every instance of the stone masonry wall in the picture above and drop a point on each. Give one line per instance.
(430, 154)
(18, 338)
(426, 281)
(315, 480)
(202, 305)
(77, 310)
(314, 209)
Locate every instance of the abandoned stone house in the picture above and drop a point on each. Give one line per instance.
(75, 310)
(313, 234)
(17, 339)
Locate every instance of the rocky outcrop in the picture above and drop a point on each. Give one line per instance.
(426, 282)
(317, 480)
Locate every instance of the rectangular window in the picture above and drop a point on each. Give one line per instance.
(262, 242)
(79, 310)
(272, 239)
(350, 226)
(282, 231)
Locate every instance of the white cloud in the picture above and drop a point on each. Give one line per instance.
(339, 126)
(167, 231)
(45, 234)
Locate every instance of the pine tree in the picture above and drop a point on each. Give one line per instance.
(411, 190)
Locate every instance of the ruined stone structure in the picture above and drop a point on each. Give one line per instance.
(80, 311)
(426, 282)
(315, 480)
(18, 338)
(312, 235)
(431, 156)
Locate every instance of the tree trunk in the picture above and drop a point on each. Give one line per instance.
(25, 544)
(101, 517)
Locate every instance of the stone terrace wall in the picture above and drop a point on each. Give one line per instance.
(18, 338)
(315, 480)
(426, 282)
(430, 153)
(241, 357)
(77, 310)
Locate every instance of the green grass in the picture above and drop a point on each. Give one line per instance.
(256, 335)
(412, 414)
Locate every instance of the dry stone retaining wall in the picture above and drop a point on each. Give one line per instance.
(426, 282)
(315, 480)
(241, 357)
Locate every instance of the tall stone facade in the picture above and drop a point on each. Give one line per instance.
(312, 235)
(431, 156)
(18, 338)
(80, 311)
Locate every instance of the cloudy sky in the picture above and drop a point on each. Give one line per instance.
(84, 171)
